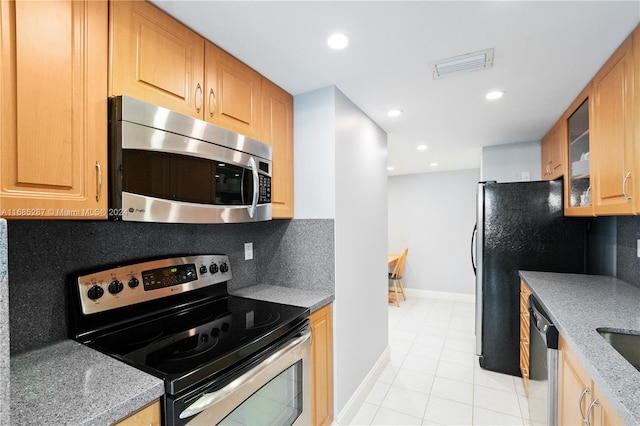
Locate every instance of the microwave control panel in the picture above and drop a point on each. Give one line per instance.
(264, 196)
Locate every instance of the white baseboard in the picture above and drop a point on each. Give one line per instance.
(355, 402)
(442, 295)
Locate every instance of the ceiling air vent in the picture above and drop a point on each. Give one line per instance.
(476, 61)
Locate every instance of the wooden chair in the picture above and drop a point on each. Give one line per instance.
(395, 279)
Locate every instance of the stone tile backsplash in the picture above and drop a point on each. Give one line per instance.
(44, 256)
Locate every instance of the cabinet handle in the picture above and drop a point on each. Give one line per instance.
(212, 105)
(624, 186)
(594, 403)
(99, 177)
(585, 392)
(198, 89)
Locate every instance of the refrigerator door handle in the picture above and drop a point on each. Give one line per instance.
(473, 246)
(478, 242)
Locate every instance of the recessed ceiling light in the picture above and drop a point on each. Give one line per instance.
(433, 164)
(338, 41)
(422, 148)
(394, 112)
(497, 94)
(390, 168)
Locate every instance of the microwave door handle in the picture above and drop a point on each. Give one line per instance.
(256, 189)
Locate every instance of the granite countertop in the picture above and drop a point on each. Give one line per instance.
(68, 383)
(578, 305)
(312, 299)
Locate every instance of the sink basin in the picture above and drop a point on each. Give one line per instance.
(626, 343)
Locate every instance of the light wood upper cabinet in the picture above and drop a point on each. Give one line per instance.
(552, 148)
(579, 397)
(322, 366)
(635, 46)
(232, 93)
(277, 130)
(578, 184)
(53, 97)
(155, 58)
(613, 133)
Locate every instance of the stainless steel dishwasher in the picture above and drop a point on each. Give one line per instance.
(543, 366)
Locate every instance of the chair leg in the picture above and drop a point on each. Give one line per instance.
(404, 296)
(395, 289)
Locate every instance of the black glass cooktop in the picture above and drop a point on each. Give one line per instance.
(186, 347)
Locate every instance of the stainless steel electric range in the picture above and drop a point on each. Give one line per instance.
(223, 359)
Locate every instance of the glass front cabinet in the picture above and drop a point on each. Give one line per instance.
(578, 182)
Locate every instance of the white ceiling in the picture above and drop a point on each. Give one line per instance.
(545, 53)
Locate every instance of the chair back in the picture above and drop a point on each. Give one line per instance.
(398, 270)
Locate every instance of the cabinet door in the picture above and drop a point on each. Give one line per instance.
(150, 415)
(322, 366)
(557, 150)
(155, 58)
(277, 130)
(579, 188)
(613, 133)
(524, 333)
(545, 156)
(232, 93)
(575, 391)
(54, 109)
(603, 413)
(552, 153)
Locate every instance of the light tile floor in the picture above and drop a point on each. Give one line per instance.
(434, 378)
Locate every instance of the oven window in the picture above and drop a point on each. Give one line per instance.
(279, 402)
(185, 178)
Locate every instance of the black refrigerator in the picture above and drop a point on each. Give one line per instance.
(519, 226)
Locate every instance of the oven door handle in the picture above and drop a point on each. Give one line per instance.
(209, 399)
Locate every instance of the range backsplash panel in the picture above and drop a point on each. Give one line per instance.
(43, 255)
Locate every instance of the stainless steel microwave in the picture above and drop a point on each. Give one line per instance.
(168, 167)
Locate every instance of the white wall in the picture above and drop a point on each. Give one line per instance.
(505, 163)
(361, 315)
(314, 154)
(340, 172)
(433, 214)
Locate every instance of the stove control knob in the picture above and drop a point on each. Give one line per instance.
(133, 282)
(215, 332)
(213, 268)
(95, 292)
(225, 327)
(224, 267)
(115, 287)
(203, 269)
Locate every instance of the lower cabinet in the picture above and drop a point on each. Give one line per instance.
(580, 401)
(525, 292)
(322, 366)
(149, 415)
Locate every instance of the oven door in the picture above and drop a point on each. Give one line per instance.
(276, 391)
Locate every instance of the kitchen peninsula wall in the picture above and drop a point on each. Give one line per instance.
(44, 255)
